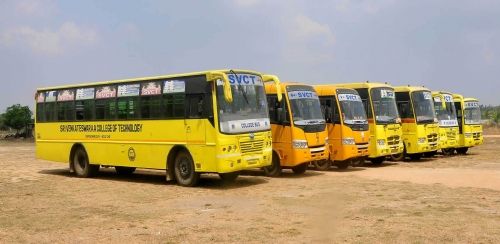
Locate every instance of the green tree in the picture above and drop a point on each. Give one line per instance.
(17, 117)
(2, 122)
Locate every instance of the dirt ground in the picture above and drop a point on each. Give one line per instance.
(444, 199)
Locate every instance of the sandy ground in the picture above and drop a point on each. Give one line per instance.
(444, 199)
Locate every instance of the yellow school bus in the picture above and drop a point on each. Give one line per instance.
(187, 124)
(347, 126)
(383, 119)
(298, 127)
(448, 124)
(469, 123)
(420, 125)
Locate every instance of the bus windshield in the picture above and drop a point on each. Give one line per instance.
(248, 112)
(447, 116)
(384, 105)
(305, 106)
(352, 109)
(423, 106)
(472, 113)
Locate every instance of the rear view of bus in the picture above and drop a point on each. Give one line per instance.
(448, 124)
(347, 125)
(469, 123)
(420, 125)
(383, 119)
(298, 128)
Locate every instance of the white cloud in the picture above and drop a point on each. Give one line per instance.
(50, 42)
(308, 41)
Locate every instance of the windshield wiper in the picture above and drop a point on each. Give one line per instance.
(244, 93)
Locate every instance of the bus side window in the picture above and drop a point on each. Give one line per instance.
(404, 106)
(105, 109)
(84, 110)
(335, 112)
(272, 103)
(65, 111)
(174, 105)
(194, 106)
(50, 112)
(40, 112)
(151, 107)
(128, 108)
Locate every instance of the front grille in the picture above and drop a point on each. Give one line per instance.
(432, 138)
(254, 146)
(317, 152)
(393, 140)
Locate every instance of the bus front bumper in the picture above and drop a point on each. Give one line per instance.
(227, 163)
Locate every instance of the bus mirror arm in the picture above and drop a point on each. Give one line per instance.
(214, 76)
(276, 80)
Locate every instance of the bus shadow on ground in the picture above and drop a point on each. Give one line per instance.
(384, 164)
(152, 177)
(284, 174)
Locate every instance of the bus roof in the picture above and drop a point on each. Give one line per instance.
(271, 86)
(410, 88)
(367, 84)
(470, 99)
(143, 79)
(441, 92)
(328, 90)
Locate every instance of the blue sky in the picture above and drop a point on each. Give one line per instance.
(445, 45)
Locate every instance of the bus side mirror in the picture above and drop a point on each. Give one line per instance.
(222, 77)
(268, 78)
(328, 114)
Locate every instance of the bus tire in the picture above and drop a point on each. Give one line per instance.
(415, 156)
(229, 177)
(322, 164)
(447, 151)
(300, 169)
(124, 170)
(81, 164)
(343, 164)
(273, 170)
(462, 150)
(378, 160)
(184, 171)
(397, 157)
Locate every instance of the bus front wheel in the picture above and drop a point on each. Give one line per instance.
(184, 171)
(415, 156)
(300, 169)
(343, 164)
(462, 150)
(378, 160)
(322, 164)
(274, 169)
(81, 164)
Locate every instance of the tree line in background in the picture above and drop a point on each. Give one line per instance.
(17, 118)
(490, 113)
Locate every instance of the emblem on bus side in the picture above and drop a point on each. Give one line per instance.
(131, 154)
(252, 136)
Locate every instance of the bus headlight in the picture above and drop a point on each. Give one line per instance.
(348, 141)
(299, 144)
(421, 140)
(381, 142)
(467, 134)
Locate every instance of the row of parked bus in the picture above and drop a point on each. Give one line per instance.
(227, 121)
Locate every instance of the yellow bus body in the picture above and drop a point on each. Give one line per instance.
(153, 143)
(385, 138)
(470, 133)
(448, 130)
(339, 150)
(418, 137)
(284, 134)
